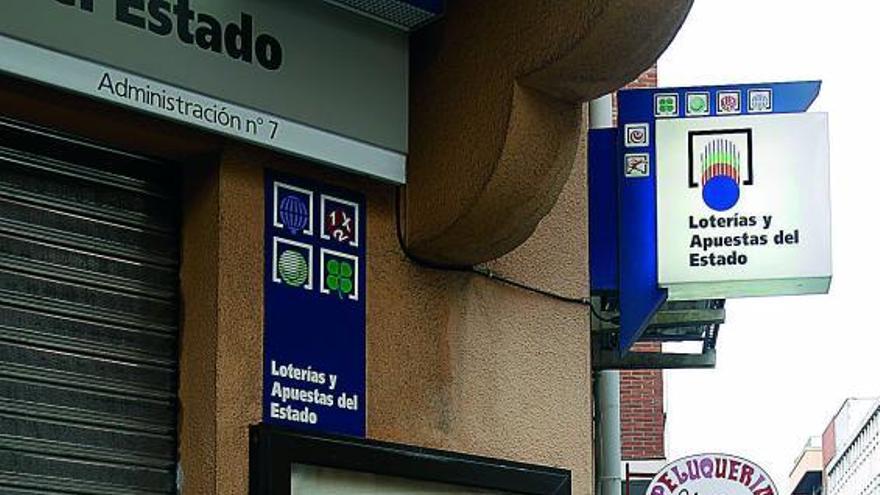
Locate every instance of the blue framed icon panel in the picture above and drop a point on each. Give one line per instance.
(314, 338)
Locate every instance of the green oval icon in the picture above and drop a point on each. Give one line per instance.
(293, 268)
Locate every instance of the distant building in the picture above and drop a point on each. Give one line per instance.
(846, 460)
(806, 476)
(851, 449)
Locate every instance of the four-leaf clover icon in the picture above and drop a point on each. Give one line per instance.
(339, 277)
(667, 105)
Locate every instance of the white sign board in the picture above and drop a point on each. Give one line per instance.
(712, 474)
(743, 206)
(304, 78)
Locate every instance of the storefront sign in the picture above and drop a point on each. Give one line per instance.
(314, 375)
(709, 192)
(301, 77)
(712, 474)
(742, 205)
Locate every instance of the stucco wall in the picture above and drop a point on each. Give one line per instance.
(494, 104)
(198, 326)
(455, 361)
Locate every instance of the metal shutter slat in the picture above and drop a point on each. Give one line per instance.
(64, 228)
(158, 412)
(104, 212)
(81, 171)
(53, 482)
(124, 339)
(67, 273)
(67, 308)
(137, 276)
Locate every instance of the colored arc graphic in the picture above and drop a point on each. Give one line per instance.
(720, 174)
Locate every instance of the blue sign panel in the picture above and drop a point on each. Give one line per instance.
(604, 214)
(640, 297)
(314, 370)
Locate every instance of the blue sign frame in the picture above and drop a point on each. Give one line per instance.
(314, 339)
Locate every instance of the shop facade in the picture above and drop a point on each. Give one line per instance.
(138, 283)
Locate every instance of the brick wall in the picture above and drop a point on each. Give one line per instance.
(643, 421)
(648, 79)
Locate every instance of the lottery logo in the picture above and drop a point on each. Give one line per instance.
(760, 100)
(339, 220)
(666, 105)
(637, 165)
(636, 135)
(293, 209)
(697, 104)
(721, 164)
(728, 102)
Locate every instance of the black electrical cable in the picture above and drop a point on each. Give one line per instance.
(420, 261)
(486, 272)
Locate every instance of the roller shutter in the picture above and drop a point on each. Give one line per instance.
(88, 318)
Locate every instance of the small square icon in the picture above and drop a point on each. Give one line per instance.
(339, 274)
(666, 105)
(292, 263)
(697, 104)
(293, 209)
(636, 165)
(728, 102)
(760, 100)
(636, 135)
(339, 220)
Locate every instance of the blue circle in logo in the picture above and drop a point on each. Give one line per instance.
(720, 193)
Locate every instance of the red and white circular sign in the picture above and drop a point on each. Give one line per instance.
(712, 474)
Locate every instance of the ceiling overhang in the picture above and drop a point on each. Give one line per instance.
(496, 112)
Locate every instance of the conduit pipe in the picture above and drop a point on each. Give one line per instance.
(608, 383)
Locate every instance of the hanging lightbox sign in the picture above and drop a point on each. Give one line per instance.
(712, 474)
(709, 192)
(743, 206)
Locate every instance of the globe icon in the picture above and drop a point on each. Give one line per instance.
(294, 214)
(293, 268)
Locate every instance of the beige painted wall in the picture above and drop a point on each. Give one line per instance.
(496, 89)
(455, 361)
